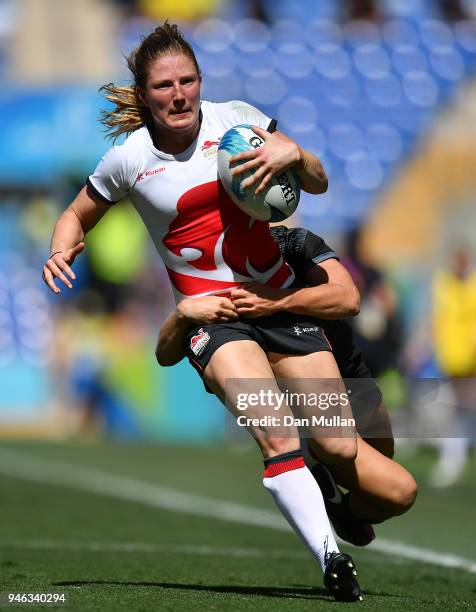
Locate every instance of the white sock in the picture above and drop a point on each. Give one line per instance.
(299, 498)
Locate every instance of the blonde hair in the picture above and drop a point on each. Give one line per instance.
(129, 113)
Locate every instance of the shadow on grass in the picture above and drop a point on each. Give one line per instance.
(265, 591)
(293, 592)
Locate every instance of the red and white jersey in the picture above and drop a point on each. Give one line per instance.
(207, 243)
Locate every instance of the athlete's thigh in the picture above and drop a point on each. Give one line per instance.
(318, 391)
(240, 369)
(318, 365)
(242, 359)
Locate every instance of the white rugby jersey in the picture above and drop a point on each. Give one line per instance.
(207, 243)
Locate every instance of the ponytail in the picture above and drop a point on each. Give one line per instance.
(128, 115)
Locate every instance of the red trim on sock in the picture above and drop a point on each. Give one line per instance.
(274, 469)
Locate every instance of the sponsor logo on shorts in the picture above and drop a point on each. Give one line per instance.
(198, 342)
(304, 330)
(210, 147)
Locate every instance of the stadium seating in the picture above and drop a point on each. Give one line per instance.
(360, 95)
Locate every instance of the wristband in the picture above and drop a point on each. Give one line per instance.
(53, 254)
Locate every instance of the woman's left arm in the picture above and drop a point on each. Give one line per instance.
(332, 295)
(277, 154)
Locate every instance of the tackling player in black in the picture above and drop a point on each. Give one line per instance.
(378, 487)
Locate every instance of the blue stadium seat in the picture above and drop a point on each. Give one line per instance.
(345, 139)
(294, 60)
(415, 10)
(420, 88)
(218, 63)
(447, 63)
(343, 92)
(384, 92)
(411, 121)
(384, 142)
(372, 61)
(322, 32)
(434, 33)
(359, 32)
(251, 35)
(213, 35)
(286, 31)
(406, 58)
(364, 171)
(257, 63)
(465, 36)
(301, 11)
(396, 32)
(313, 86)
(314, 140)
(297, 114)
(332, 61)
(267, 89)
(223, 89)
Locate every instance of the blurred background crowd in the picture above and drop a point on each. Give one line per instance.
(384, 92)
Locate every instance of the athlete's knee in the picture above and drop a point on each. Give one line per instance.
(407, 492)
(402, 494)
(335, 451)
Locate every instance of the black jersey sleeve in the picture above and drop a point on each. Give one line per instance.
(301, 248)
(315, 250)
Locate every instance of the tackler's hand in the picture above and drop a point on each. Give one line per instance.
(207, 310)
(254, 300)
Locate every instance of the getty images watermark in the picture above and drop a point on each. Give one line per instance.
(291, 408)
(266, 400)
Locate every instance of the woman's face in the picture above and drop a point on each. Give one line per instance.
(173, 94)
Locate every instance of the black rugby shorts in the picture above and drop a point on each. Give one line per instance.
(279, 333)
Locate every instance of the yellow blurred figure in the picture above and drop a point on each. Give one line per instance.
(454, 322)
(191, 10)
(454, 317)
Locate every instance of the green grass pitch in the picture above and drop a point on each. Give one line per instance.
(108, 553)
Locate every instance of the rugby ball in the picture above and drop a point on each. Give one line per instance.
(277, 202)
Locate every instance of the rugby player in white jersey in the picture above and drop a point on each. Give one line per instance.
(167, 168)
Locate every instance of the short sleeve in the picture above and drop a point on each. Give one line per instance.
(237, 112)
(109, 181)
(316, 250)
(305, 250)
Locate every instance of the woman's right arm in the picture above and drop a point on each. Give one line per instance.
(170, 345)
(189, 312)
(68, 237)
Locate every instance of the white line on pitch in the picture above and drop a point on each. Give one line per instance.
(146, 547)
(36, 469)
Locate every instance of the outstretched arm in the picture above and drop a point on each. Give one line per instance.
(277, 154)
(68, 237)
(332, 296)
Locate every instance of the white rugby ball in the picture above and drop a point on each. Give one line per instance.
(277, 202)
